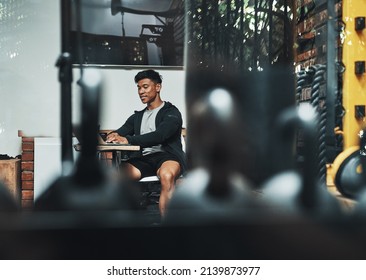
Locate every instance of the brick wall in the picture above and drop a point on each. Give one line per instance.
(27, 172)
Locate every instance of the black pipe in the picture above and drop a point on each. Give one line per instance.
(255, 35)
(65, 78)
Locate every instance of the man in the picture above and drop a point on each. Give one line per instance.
(157, 129)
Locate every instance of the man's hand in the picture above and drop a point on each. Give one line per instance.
(116, 138)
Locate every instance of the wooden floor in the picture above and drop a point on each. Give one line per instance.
(346, 203)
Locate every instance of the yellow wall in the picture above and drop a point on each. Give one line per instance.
(354, 86)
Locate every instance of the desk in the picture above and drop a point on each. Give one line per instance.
(119, 152)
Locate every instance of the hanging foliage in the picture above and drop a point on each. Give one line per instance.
(248, 34)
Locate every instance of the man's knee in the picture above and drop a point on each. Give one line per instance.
(168, 171)
(166, 175)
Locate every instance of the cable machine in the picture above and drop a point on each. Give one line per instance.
(347, 169)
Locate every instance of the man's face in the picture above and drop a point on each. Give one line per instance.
(148, 90)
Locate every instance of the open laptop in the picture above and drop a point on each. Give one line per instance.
(101, 140)
(102, 137)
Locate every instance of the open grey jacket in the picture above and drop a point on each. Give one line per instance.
(168, 131)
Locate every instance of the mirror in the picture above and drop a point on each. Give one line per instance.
(127, 33)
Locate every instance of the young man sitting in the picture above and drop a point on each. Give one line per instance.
(157, 129)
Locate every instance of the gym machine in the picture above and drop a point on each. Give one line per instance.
(346, 168)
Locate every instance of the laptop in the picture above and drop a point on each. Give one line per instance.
(105, 146)
(102, 140)
(102, 137)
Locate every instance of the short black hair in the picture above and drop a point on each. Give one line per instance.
(149, 74)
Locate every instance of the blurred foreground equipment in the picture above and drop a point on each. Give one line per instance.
(89, 187)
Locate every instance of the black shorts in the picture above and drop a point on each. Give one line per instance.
(149, 164)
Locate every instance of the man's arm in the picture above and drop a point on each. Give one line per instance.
(118, 136)
(128, 127)
(170, 125)
(114, 137)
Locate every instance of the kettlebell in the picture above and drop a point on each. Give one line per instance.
(359, 210)
(294, 192)
(214, 190)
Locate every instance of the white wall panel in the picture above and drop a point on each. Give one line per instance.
(29, 87)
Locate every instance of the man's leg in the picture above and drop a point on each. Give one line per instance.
(131, 171)
(167, 173)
